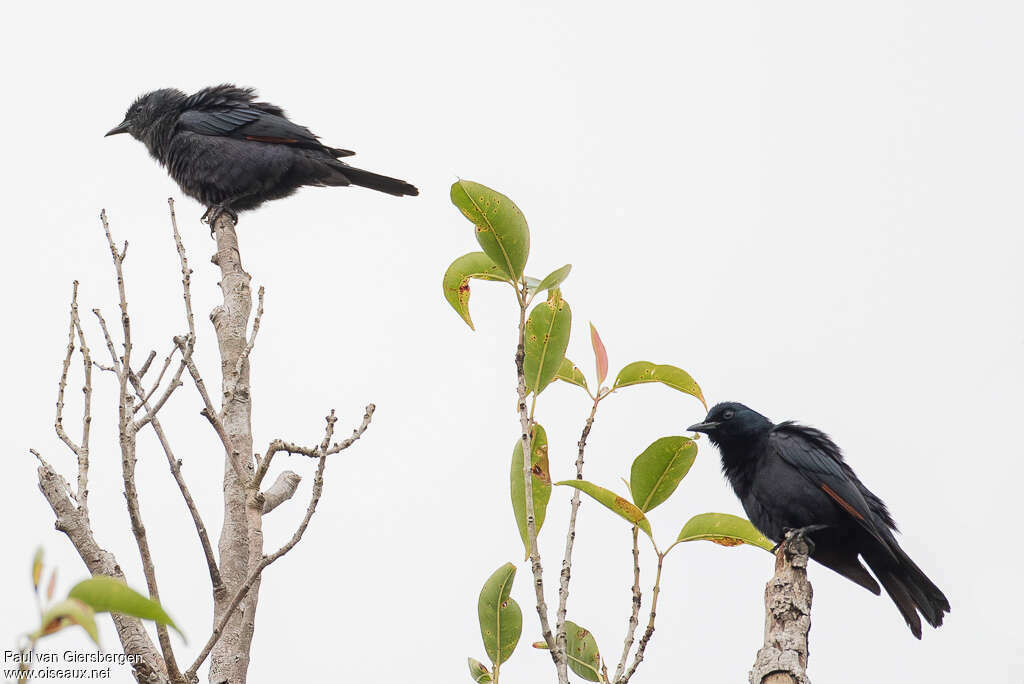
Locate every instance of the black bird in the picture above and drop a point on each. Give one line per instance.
(233, 153)
(793, 477)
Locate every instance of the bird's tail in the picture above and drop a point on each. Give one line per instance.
(910, 589)
(350, 175)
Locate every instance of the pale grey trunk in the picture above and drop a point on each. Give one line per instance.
(787, 603)
(241, 540)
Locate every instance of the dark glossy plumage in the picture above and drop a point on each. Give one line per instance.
(230, 151)
(790, 476)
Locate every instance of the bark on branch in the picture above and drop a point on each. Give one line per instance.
(787, 602)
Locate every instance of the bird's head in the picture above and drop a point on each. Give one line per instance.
(731, 422)
(147, 111)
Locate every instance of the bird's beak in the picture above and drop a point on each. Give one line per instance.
(705, 427)
(119, 128)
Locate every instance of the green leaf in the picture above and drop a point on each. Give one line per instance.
(478, 671)
(659, 469)
(501, 620)
(581, 649)
(554, 279)
(611, 501)
(568, 372)
(456, 280)
(67, 612)
(547, 336)
(541, 482)
(37, 567)
(104, 594)
(645, 371)
(724, 529)
(501, 228)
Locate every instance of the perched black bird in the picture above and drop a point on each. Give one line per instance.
(233, 153)
(792, 477)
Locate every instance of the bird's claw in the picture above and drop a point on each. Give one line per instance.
(215, 212)
(791, 535)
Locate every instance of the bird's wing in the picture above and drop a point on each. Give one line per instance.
(819, 460)
(247, 123)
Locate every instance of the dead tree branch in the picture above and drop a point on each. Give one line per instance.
(128, 431)
(236, 575)
(787, 602)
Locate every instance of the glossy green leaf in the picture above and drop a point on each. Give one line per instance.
(456, 280)
(568, 372)
(581, 649)
(109, 594)
(554, 279)
(659, 469)
(478, 671)
(70, 611)
(37, 567)
(645, 371)
(501, 620)
(547, 337)
(611, 501)
(501, 228)
(724, 529)
(541, 482)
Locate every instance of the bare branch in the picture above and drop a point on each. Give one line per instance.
(145, 366)
(81, 450)
(175, 466)
(186, 273)
(312, 452)
(254, 574)
(116, 362)
(159, 378)
(284, 488)
(252, 338)
(58, 423)
(787, 623)
(634, 617)
(649, 632)
(570, 537)
(128, 432)
(75, 524)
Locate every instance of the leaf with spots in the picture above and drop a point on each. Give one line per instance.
(659, 469)
(723, 529)
(612, 502)
(568, 372)
(478, 671)
(501, 620)
(501, 228)
(581, 650)
(644, 371)
(541, 482)
(456, 280)
(547, 337)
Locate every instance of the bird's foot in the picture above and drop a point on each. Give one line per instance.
(215, 212)
(791, 535)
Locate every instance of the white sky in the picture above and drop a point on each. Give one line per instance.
(814, 210)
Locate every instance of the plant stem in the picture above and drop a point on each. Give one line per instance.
(558, 656)
(570, 537)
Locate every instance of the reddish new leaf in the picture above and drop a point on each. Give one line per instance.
(600, 355)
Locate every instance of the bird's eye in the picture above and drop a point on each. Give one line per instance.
(728, 414)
